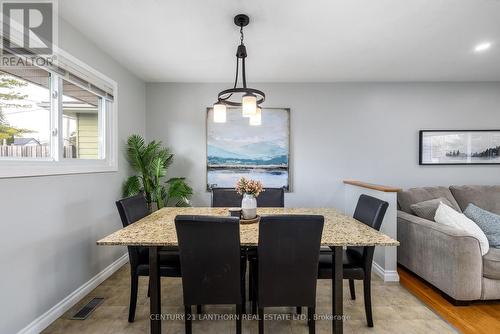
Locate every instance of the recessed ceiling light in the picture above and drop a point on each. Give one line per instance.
(481, 47)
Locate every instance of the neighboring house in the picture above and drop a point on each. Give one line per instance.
(26, 142)
(84, 128)
(80, 128)
(88, 135)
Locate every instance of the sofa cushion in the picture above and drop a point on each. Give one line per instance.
(491, 264)
(415, 195)
(427, 209)
(485, 197)
(448, 216)
(487, 221)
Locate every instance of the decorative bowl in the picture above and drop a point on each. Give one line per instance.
(250, 221)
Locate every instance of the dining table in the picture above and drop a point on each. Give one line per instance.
(158, 230)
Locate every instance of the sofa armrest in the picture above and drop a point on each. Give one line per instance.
(448, 258)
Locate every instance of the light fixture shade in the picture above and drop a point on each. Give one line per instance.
(219, 112)
(249, 105)
(256, 119)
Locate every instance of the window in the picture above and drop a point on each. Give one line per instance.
(25, 114)
(56, 120)
(82, 115)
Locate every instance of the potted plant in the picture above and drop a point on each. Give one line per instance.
(250, 189)
(151, 162)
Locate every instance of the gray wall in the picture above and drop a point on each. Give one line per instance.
(49, 224)
(339, 131)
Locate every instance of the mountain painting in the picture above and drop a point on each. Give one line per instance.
(236, 149)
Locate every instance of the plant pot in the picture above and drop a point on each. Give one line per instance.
(248, 206)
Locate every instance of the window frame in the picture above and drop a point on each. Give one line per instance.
(56, 164)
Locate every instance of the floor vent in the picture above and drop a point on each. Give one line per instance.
(85, 311)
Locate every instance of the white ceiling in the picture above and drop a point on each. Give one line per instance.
(296, 40)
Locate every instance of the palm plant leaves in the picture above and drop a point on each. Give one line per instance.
(150, 152)
(135, 149)
(179, 191)
(151, 162)
(166, 156)
(132, 186)
(158, 169)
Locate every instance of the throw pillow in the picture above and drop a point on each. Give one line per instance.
(487, 221)
(447, 216)
(427, 209)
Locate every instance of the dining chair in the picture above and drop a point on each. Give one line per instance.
(131, 209)
(357, 261)
(212, 267)
(228, 197)
(287, 265)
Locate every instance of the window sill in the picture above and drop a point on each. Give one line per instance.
(11, 169)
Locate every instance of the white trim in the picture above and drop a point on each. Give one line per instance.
(81, 69)
(10, 169)
(43, 321)
(385, 258)
(386, 275)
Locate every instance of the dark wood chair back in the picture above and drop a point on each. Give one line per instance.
(370, 211)
(228, 197)
(131, 209)
(210, 259)
(288, 254)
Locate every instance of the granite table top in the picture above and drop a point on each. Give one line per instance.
(158, 229)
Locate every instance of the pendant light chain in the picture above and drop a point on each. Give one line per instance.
(243, 73)
(236, 78)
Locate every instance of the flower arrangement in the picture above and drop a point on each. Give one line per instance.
(251, 187)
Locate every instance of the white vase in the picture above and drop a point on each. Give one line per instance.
(248, 206)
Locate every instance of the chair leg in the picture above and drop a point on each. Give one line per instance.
(243, 291)
(261, 320)
(255, 289)
(299, 310)
(134, 284)
(368, 300)
(238, 319)
(199, 309)
(310, 320)
(250, 282)
(187, 319)
(352, 289)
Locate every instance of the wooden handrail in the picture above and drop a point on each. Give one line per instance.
(386, 189)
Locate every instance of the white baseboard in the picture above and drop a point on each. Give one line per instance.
(386, 275)
(43, 321)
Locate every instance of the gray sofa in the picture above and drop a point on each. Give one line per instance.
(446, 257)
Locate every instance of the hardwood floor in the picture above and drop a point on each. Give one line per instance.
(477, 318)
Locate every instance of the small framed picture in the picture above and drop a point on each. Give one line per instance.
(459, 147)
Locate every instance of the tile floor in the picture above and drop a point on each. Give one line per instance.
(395, 310)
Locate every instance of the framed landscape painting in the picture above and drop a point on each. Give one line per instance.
(236, 149)
(459, 147)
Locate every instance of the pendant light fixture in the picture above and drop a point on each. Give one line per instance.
(257, 118)
(250, 98)
(219, 113)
